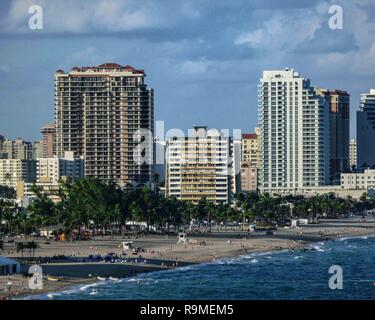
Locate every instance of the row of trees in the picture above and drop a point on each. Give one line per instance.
(91, 203)
(7, 192)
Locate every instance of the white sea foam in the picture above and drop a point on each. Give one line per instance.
(318, 248)
(88, 286)
(136, 279)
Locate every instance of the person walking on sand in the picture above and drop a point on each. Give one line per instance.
(8, 286)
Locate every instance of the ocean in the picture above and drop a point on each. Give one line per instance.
(288, 274)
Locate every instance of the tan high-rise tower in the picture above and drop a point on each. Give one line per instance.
(250, 161)
(48, 132)
(104, 113)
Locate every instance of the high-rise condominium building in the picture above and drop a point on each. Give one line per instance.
(200, 166)
(249, 161)
(6, 149)
(18, 149)
(250, 149)
(37, 149)
(294, 134)
(339, 111)
(366, 130)
(49, 173)
(48, 133)
(106, 115)
(353, 153)
(2, 139)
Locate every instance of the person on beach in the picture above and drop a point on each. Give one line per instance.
(8, 286)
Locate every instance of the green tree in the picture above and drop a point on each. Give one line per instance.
(31, 246)
(21, 247)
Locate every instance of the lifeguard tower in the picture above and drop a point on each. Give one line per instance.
(294, 224)
(182, 237)
(127, 245)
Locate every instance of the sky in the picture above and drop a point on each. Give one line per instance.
(204, 58)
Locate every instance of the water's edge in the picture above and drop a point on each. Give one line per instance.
(84, 286)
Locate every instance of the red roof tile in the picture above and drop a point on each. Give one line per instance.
(249, 136)
(110, 65)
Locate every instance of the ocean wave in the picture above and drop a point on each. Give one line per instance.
(364, 237)
(249, 256)
(88, 286)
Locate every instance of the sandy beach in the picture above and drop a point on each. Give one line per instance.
(161, 252)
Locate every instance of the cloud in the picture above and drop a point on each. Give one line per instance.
(86, 56)
(195, 52)
(4, 68)
(359, 25)
(75, 17)
(194, 67)
(283, 31)
(71, 16)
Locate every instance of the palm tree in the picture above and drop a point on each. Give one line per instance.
(32, 246)
(21, 247)
(7, 192)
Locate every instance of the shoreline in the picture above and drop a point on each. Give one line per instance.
(163, 250)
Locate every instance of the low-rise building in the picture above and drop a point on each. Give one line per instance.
(336, 190)
(25, 194)
(52, 170)
(358, 180)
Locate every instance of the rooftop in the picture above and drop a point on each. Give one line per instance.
(249, 136)
(108, 66)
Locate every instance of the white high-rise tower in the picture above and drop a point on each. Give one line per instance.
(294, 134)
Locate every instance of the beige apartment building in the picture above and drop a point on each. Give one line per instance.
(358, 180)
(353, 153)
(52, 170)
(37, 149)
(14, 170)
(200, 166)
(48, 142)
(250, 158)
(103, 113)
(17, 149)
(49, 173)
